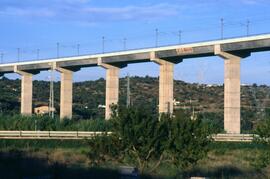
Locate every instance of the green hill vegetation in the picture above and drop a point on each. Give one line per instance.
(200, 100)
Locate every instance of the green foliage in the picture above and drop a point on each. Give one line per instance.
(85, 125)
(142, 135)
(188, 141)
(18, 122)
(261, 161)
(263, 131)
(35, 145)
(207, 101)
(247, 120)
(142, 139)
(103, 149)
(213, 121)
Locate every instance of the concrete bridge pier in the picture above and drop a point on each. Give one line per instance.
(232, 94)
(166, 74)
(26, 91)
(112, 86)
(66, 93)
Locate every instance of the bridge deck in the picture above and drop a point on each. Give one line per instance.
(241, 45)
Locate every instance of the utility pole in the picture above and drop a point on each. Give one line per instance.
(78, 49)
(35, 124)
(38, 54)
(128, 91)
(58, 47)
(51, 100)
(222, 28)
(103, 44)
(192, 108)
(2, 57)
(179, 36)
(124, 43)
(50, 97)
(157, 33)
(18, 54)
(247, 26)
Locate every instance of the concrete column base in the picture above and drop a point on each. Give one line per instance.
(165, 84)
(26, 91)
(232, 94)
(112, 87)
(26, 94)
(112, 90)
(66, 94)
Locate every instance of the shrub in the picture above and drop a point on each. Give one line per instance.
(188, 141)
(103, 149)
(142, 139)
(263, 131)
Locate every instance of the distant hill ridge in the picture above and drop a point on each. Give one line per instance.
(88, 95)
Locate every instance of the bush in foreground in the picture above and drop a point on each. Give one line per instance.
(262, 160)
(188, 141)
(142, 140)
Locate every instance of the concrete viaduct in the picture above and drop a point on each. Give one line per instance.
(231, 50)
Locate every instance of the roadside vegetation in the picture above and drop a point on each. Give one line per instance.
(159, 146)
(46, 123)
(148, 141)
(139, 139)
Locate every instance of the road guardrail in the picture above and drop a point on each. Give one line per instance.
(87, 135)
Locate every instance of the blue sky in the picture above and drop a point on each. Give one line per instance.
(40, 24)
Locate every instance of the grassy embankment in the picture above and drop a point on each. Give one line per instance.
(55, 157)
(68, 158)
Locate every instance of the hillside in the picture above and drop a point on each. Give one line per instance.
(201, 99)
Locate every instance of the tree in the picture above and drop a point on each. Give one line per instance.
(142, 136)
(262, 159)
(104, 148)
(213, 121)
(262, 132)
(141, 139)
(188, 141)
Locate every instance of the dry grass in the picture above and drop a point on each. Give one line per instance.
(222, 162)
(231, 164)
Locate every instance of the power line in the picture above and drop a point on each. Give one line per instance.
(128, 91)
(222, 28)
(179, 36)
(103, 44)
(124, 44)
(51, 100)
(38, 54)
(57, 50)
(18, 54)
(2, 57)
(157, 34)
(247, 26)
(78, 49)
